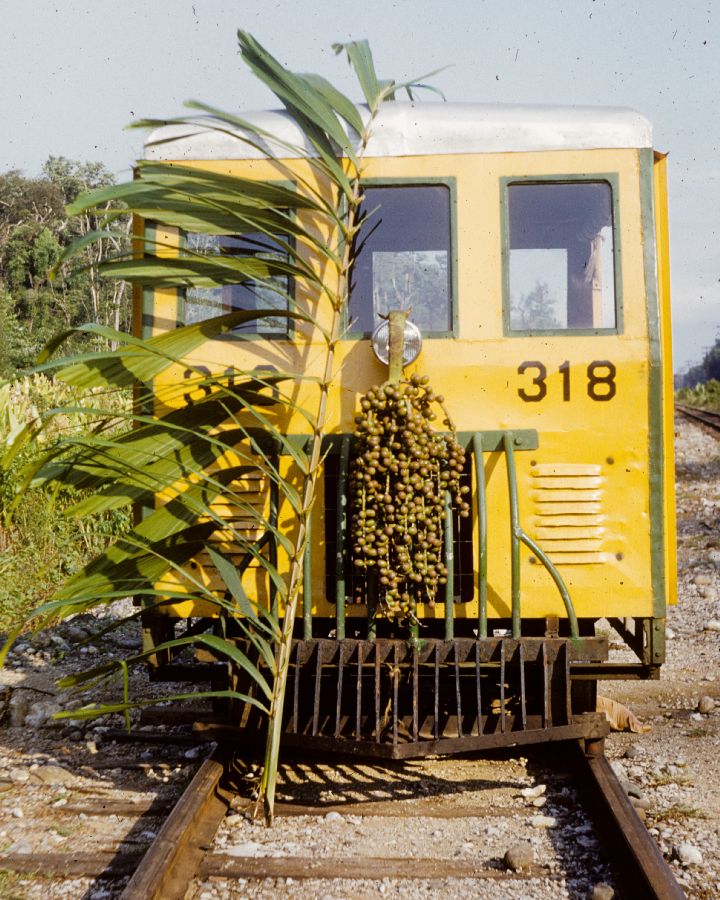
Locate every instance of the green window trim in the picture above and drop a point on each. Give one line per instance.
(449, 182)
(656, 447)
(610, 178)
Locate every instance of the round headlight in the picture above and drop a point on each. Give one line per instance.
(412, 342)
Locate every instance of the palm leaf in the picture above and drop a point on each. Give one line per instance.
(182, 454)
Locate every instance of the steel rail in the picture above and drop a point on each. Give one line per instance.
(708, 417)
(174, 857)
(643, 873)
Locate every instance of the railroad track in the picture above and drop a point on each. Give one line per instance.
(456, 838)
(459, 815)
(709, 418)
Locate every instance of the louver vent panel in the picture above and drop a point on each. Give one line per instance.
(568, 522)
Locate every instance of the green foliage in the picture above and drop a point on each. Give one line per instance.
(40, 546)
(34, 231)
(705, 395)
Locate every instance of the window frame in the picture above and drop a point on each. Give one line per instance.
(450, 182)
(286, 335)
(290, 330)
(610, 178)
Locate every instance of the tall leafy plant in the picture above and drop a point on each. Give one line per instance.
(195, 455)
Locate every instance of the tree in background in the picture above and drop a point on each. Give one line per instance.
(34, 231)
(535, 309)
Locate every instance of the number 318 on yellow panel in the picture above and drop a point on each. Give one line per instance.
(598, 375)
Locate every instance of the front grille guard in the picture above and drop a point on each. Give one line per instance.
(391, 698)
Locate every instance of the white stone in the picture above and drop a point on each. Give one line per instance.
(247, 848)
(333, 816)
(706, 705)
(520, 856)
(532, 792)
(687, 855)
(19, 776)
(712, 625)
(41, 713)
(543, 821)
(18, 708)
(602, 891)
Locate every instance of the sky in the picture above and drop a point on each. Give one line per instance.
(74, 73)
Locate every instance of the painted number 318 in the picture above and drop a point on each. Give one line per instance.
(600, 380)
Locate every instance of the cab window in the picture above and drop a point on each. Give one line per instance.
(560, 261)
(204, 303)
(404, 258)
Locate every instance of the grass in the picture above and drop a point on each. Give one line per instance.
(12, 885)
(662, 780)
(678, 811)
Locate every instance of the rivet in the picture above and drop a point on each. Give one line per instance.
(619, 556)
(609, 460)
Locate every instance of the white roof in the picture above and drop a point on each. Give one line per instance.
(418, 129)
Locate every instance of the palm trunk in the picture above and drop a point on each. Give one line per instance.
(272, 747)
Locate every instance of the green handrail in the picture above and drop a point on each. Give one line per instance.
(477, 445)
(307, 582)
(450, 564)
(514, 529)
(341, 533)
(557, 578)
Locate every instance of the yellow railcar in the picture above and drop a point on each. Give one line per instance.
(531, 244)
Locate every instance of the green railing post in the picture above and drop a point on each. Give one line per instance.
(341, 532)
(477, 445)
(450, 563)
(514, 531)
(307, 583)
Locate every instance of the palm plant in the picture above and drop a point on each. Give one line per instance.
(194, 455)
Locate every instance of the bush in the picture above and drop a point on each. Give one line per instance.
(706, 396)
(39, 545)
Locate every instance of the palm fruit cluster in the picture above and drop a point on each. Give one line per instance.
(401, 472)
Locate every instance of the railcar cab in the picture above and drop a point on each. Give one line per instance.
(531, 245)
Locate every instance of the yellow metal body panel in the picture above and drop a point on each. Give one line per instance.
(585, 493)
